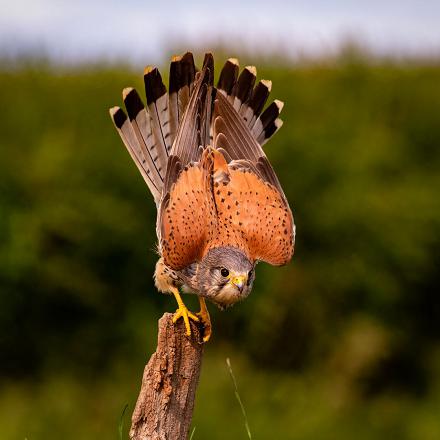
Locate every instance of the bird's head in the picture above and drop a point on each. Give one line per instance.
(226, 276)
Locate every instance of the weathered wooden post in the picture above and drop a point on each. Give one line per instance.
(166, 400)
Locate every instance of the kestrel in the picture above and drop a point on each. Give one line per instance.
(220, 206)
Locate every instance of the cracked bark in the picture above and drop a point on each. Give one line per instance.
(166, 400)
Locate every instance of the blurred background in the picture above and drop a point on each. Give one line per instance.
(343, 342)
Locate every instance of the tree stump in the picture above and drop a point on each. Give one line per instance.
(166, 401)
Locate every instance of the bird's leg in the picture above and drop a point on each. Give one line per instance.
(205, 319)
(183, 312)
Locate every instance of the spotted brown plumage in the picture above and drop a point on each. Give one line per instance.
(221, 208)
(255, 214)
(188, 221)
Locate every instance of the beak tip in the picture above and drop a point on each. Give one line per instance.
(239, 283)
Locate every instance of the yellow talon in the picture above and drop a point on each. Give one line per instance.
(183, 312)
(205, 319)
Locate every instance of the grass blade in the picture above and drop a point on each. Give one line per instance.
(192, 433)
(121, 422)
(237, 395)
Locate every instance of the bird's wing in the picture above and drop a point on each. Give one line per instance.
(186, 214)
(187, 217)
(249, 202)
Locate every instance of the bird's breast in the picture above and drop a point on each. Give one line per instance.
(228, 296)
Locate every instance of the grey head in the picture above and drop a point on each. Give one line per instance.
(224, 276)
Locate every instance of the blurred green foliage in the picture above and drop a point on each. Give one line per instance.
(342, 342)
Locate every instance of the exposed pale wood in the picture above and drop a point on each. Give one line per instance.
(165, 404)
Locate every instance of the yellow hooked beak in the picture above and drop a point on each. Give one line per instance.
(239, 281)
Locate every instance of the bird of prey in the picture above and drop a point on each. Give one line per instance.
(220, 205)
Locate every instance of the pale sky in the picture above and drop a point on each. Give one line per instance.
(133, 30)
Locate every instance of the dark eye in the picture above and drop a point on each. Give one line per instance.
(224, 272)
(249, 277)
